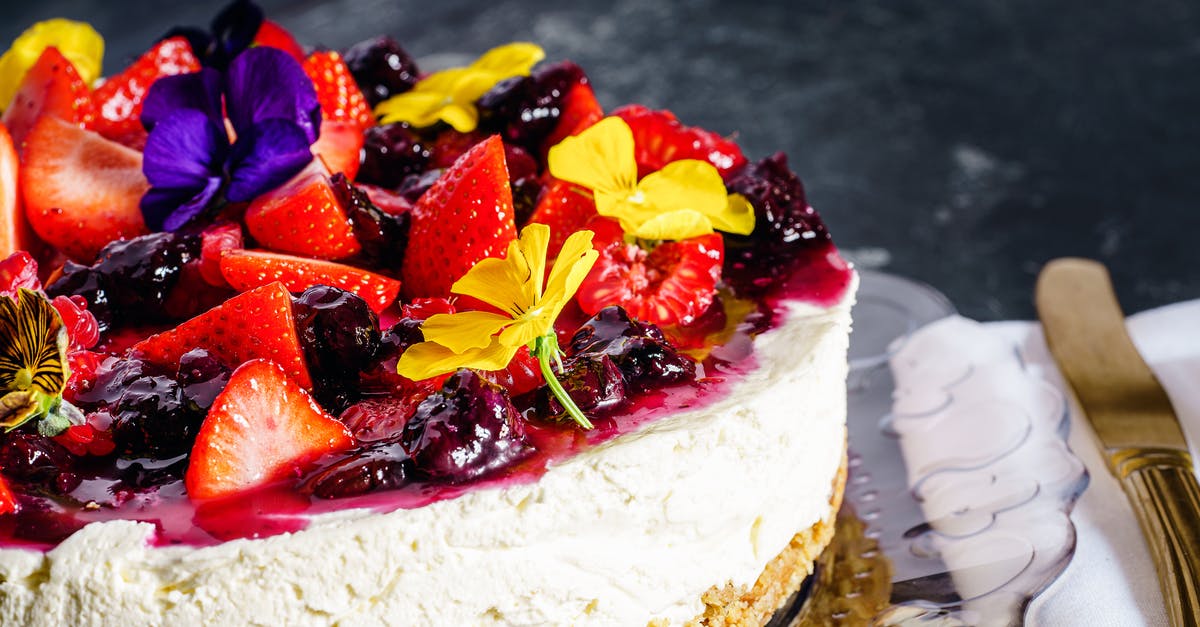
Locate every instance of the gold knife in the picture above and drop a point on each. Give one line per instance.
(1133, 418)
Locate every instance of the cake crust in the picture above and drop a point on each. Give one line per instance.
(744, 606)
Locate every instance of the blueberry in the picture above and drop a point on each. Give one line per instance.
(392, 152)
(383, 236)
(466, 430)
(381, 466)
(340, 336)
(783, 220)
(526, 109)
(381, 68)
(646, 360)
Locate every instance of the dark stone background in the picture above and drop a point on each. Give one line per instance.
(962, 143)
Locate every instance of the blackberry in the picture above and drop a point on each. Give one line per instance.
(524, 110)
(340, 335)
(645, 358)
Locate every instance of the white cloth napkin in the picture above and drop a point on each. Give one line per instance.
(1111, 579)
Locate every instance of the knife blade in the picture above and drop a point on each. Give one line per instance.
(1132, 416)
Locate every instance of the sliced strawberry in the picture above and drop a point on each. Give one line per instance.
(389, 201)
(565, 208)
(81, 191)
(8, 502)
(119, 100)
(51, 87)
(340, 147)
(261, 428)
(341, 99)
(273, 35)
(15, 232)
(580, 110)
(248, 269)
(383, 417)
(670, 285)
(466, 216)
(215, 240)
(303, 216)
(523, 374)
(253, 325)
(450, 145)
(660, 139)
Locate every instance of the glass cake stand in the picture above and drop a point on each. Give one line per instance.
(1008, 531)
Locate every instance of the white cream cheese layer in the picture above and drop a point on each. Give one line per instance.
(633, 530)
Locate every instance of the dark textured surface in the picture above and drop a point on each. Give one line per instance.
(959, 143)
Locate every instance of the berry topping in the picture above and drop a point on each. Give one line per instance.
(248, 269)
(382, 418)
(593, 381)
(340, 98)
(38, 462)
(253, 325)
(15, 232)
(131, 280)
(380, 466)
(340, 336)
(464, 431)
(565, 208)
(263, 427)
(392, 152)
(82, 329)
(671, 284)
(18, 271)
(273, 35)
(382, 68)
(153, 417)
(340, 147)
(81, 190)
(51, 88)
(474, 196)
(215, 240)
(382, 234)
(527, 110)
(645, 358)
(119, 100)
(783, 221)
(304, 217)
(660, 139)
(8, 502)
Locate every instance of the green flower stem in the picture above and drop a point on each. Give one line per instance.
(546, 348)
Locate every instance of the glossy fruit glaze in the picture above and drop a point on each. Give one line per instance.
(152, 490)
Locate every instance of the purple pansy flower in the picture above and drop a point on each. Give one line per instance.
(189, 161)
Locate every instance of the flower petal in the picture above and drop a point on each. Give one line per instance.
(464, 330)
(737, 218)
(266, 156)
(418, 108)
(233, 30)
(513, 59)
(600, 158)
(574, 262)
(514, 283)
(169, 209)
(77, 41)
(674, 225)
(428, 359)
(686, 184)
(184, 150)
(265, 83)
(198, 91)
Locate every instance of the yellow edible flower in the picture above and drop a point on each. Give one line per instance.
(33, 346)
(518, 286)
(686, 198)
(77, 41)
(450, 95)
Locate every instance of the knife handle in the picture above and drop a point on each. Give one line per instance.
(1166, 497)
